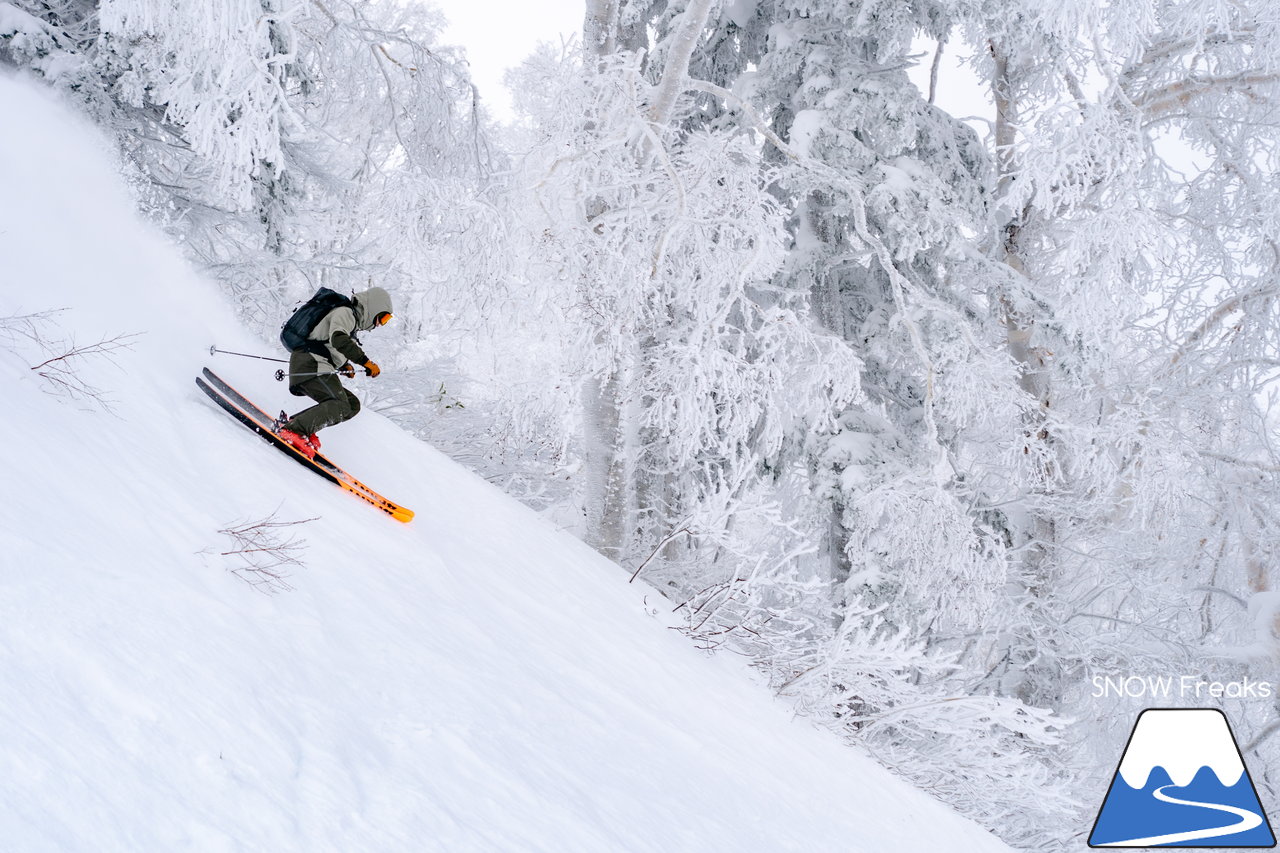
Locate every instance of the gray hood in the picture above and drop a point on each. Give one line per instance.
(369, 304)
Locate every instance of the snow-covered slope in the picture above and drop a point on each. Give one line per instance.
(477, 680)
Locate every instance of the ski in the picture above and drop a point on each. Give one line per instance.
(243, 410)
(265, 420)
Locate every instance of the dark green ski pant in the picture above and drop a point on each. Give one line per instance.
(334, 404)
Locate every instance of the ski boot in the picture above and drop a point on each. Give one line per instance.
(298, 442)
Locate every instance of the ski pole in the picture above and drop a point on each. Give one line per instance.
(214, 349)
(280, 374)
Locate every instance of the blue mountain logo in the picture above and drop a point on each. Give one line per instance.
(1182, 783)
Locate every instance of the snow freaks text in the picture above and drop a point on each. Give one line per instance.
(1178, 687)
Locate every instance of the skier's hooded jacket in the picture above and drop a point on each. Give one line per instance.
(336, 334)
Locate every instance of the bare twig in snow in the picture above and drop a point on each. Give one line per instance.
(263, 554)
(63, 357)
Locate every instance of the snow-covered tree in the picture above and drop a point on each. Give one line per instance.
(289, 144)
(1012, 474)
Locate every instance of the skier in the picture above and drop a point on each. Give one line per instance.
(332, 349)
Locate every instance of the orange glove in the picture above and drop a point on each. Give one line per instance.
(348, 370)
(371, 369)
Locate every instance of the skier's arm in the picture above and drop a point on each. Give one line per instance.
(345, 344)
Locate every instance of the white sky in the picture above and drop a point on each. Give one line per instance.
(498, 34)
(960, 92)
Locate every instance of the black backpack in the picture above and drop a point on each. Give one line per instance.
(295, 332)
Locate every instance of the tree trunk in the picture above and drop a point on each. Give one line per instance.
(1015, 664)
(601, 414)
(600, 28)
(1019, 329)
(676, 72)
(615, 492)
(604, 486)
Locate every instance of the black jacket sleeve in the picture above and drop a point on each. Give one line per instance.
(347, 345)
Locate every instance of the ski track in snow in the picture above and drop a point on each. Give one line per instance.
(1248, 820)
